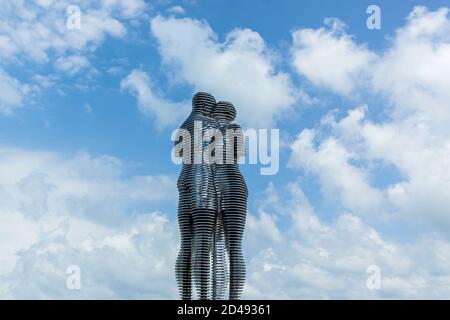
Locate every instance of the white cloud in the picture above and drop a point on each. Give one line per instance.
(150, 103)
(328, 259)
(422, 158)
(126, 8)
(12, 93)
(85, 180)
(340, 179)
(329, 57)
(130, 262)
(72, 64)
(409, 79)
(176, 10)
(414, 137)
(57, 211)
(266, 224)
(414, 72)
(35, 32)
(411, 73)
(240, 69)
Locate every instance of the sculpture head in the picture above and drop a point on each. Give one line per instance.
(203, 103)
(224, 110)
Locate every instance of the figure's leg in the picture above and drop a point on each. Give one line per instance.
(221, 275)
(203, 221)
(219, 268)
(234, 223)
(183, 263)
(214, 257)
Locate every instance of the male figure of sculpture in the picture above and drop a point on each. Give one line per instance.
(232, 193)
(197, 199)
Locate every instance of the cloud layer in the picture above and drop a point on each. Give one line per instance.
(151, 104)
(57, 211)
(330, 58)
(413, 138)
(36, 33)
(90, 211)
(55, 218)
(240, 69)
(317, 259)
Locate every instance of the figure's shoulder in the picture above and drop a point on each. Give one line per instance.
(185, 125)
(233, 126)
(190, 121)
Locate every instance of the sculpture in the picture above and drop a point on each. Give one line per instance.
(212, 201)
(231, 193)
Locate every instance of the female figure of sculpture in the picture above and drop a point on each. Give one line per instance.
(232, 193)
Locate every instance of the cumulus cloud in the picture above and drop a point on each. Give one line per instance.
(72, 64)
(84, 180)
(329, 259)
(422, 159)
(410, 78)
(339, 178)
(240, 69)
(58, 211)
(413, 73)
(150, 103)
(176, 10)
(35, 32)
(329, 57)
(12, 93)
(131, 262)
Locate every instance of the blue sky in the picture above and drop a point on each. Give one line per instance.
(86, 117)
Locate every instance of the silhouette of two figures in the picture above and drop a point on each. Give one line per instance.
(212, 202)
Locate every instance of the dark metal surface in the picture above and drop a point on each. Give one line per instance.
(212, 203)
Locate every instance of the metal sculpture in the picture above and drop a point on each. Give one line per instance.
(231, 193)
(212, 202)
(197, 203)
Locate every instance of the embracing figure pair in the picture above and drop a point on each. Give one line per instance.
(212, 201)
